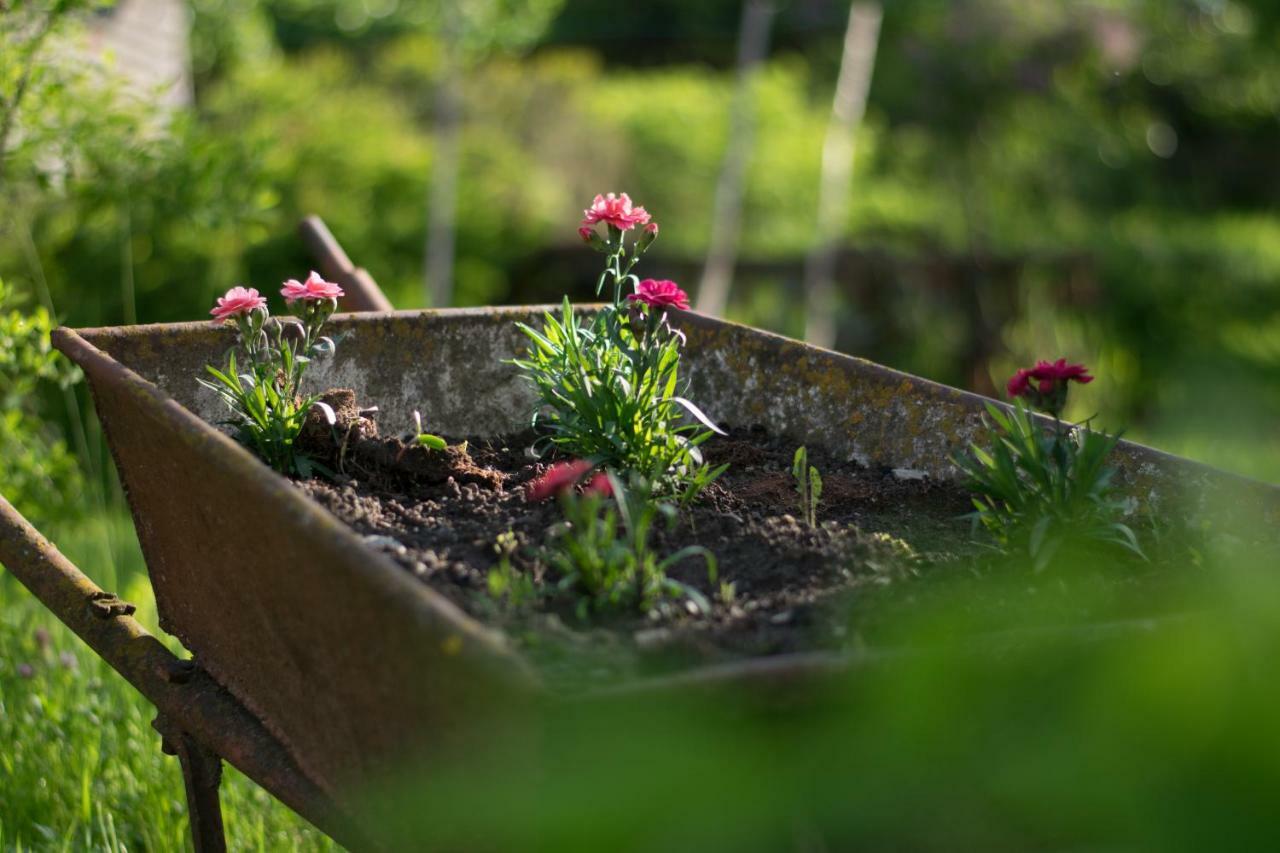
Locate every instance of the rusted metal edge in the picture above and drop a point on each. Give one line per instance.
(183, 694)
(362, 292)
(766, 676)
(380, 571)
(1132, 455)
(1136, 452)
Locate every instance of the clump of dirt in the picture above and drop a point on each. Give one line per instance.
(782, 586)
(351, 445)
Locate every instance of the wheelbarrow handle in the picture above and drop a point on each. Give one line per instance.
(362, 292)
(194, 710)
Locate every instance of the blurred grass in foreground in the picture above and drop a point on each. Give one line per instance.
(80, 765)
(1112, 705)
(1146, 734)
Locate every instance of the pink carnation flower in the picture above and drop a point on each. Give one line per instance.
(599, 485)
(314, 289)
(660, 294)
(616, 210)
(651, 228)
(237, 302)
(558, 478)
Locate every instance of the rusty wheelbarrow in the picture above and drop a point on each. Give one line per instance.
(317, 661)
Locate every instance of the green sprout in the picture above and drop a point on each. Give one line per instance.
(426, 439)
(808, 486)
(505, 582)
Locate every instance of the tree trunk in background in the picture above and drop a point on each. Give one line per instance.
(442, 199)
(850, 102)
(726, 222)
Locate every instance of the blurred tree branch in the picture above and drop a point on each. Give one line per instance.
(850, 102)
(11, 39)
(726, 221)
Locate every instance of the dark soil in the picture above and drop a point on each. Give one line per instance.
(439, 514)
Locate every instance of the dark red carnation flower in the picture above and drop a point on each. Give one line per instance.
(1018, 384)
(1060, 371)
(1049, 393)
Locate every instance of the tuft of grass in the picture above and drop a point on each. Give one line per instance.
(80, 766)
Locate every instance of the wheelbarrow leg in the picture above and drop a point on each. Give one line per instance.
(202, 776)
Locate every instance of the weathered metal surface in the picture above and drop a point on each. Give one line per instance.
(451, 365)
(183, 694)
(361, 291)
(345, 658)
(885, 418)
(202, 777)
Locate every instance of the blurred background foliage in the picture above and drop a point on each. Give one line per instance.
(1033, 179)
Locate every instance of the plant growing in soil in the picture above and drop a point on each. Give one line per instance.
(1037, 489)
(601, 552)
(504, 582)
(609, 387)
(808, 486)
(262, 389)
(426, 439)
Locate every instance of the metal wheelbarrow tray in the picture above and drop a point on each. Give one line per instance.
(348, 661)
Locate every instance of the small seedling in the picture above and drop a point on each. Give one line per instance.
(426, 439)
(808, 486)
(505, 583)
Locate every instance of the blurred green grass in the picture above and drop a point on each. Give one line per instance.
(80, 766)
(1156, 735)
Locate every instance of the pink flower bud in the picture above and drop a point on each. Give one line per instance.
(599, 485)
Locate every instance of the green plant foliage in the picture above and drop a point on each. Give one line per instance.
(602, 552)
(38, 474)
(424, 438)
(1038, 490)
(265, 400)
(613, 402)
(610, 388)
(506, 584)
